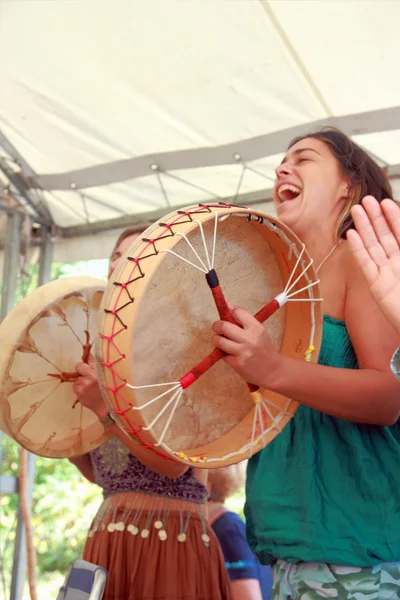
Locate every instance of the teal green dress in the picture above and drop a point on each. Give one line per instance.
(327, 490)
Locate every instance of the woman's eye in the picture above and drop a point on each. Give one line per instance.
(301, 160)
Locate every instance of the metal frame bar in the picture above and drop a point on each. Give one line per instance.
(46, 255)
(17, 180)
(9, 484)
(393, 171)
(11, 258)
(20, 178)
(15, 155)
(7, 208)
(20, 553)
(255, 148)
(144, 219)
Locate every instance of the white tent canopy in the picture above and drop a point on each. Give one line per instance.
(113, 111)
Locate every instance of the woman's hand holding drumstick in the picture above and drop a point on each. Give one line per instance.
(87, 391)
(248, 347)
(376, 247)
(86, 388)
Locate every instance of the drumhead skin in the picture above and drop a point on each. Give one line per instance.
(42, 339)
(155, 324)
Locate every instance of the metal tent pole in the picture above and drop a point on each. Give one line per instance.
(20, 553)
(46, 255)
(10, 275)
(11, 259)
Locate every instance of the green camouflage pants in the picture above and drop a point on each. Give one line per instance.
(311, 581)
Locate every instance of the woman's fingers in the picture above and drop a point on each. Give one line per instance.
(366, 231)
(83, 369)
(377, 237)
(230, 331)
(391, 211)
(77, 389)
(223, 343)
(244, 318)
(377, 227)
(361, 254)
(91, 362)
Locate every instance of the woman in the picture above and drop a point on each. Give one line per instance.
(151, 531)
(249, 580)
(376, 248)
(323, 499)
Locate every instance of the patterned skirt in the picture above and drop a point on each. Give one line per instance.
(155, 548)
(311, 581)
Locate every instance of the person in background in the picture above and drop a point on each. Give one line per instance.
(249, 580)
(376, 247)
(151, 532)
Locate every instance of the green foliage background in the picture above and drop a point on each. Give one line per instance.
(63, 507)
(64, 503)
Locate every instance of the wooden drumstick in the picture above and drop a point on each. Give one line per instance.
(208, 361)
(224, 311)
(65, 376)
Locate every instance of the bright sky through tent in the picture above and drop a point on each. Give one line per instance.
(92, 268)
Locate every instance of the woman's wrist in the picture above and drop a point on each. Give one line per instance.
(105, 417)
(276, 375)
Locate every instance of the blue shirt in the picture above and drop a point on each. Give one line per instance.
(240, 561)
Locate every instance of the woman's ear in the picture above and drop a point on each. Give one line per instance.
(346, 189)
(346, 193)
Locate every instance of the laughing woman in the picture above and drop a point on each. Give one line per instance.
(323, 499)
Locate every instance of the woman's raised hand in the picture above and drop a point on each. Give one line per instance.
(376, 247)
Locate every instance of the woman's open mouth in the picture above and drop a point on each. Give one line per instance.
(288, 191)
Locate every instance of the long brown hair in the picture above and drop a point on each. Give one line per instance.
(366, 177)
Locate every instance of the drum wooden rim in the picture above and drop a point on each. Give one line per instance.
(12, 330)
(114, 360)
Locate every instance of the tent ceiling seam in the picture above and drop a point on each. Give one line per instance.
(296, 57)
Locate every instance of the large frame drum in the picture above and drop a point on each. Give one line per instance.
(42, 339)
(155, 330)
